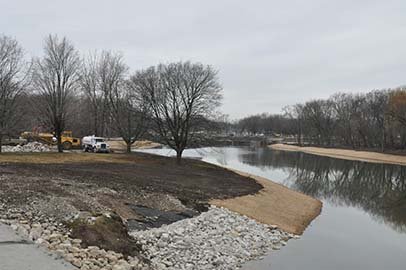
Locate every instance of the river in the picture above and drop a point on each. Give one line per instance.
(363, 220)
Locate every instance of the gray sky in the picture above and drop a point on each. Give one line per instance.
(269, 53)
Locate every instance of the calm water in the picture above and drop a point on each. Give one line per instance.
(363, 221)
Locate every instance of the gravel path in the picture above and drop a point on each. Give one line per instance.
(217, 239)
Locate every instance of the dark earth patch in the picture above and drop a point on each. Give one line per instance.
(155, 218)
(192, 182)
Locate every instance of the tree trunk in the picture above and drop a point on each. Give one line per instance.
(59, 141)
(300, 134)
(1, 142)
(96, 124)
(128, 147)
(179, 156)
(383, 141)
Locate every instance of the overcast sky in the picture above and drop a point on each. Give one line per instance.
(269, 53)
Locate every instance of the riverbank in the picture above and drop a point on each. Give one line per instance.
(81, 207)
(365, 156)
(275, 204)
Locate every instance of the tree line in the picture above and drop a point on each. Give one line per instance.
(97, 94)
(373, 120)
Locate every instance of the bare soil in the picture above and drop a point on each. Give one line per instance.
(191, 181)
(366, 156)
(69, 185)
(62, 185)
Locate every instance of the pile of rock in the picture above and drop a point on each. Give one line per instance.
(217, 239)
(55, 238)
(29, 147)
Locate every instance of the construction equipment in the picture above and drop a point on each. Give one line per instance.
(95, 144)
(68, 141)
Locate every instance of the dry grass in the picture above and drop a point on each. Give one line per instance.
(275, 204)
(120, 145)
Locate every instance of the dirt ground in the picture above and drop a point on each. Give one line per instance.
(66, 184)
(366, 156)
(74, 188)
(112, 180)
(275, 204)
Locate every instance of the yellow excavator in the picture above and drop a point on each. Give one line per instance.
(68, 141)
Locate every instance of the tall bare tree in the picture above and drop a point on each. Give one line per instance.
(97, 80)
(114, 97)
(180, 95)
(129, 111)
(90, 86)
(55, 78)
(295, 112)
(13, 70)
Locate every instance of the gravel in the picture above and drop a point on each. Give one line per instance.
(54, 237)
(217, 239)
(29, 147)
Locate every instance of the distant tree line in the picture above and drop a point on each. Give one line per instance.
(374, 120)
(266, 124)
(97, 94)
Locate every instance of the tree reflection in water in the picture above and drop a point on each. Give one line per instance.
(378, 189)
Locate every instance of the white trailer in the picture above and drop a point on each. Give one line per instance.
(95, 144)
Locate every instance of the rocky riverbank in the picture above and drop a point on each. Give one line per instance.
(216, 239)
(55, 238)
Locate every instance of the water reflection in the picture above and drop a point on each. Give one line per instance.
(378, 189)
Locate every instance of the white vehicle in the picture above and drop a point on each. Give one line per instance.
(95, 144)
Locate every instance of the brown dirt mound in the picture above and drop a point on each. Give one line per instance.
(107, 233)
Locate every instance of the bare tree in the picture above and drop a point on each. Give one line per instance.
(397, 105)
(378, 106)
(90, 86)
(129, 112)
(295, 112)
(115, 97)
(98, 77)
(55, 77)
(320, 120)
(13, 70)
(179, 95)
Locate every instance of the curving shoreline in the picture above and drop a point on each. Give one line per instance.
(364, 156)
(275, 204)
